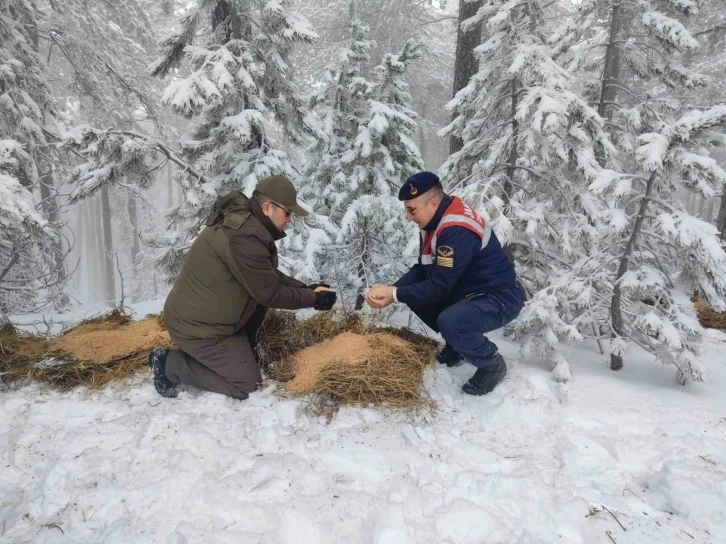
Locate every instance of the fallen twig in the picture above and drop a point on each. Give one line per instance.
(707, 459)
(693, 537)
(633, 492)
(614, 516)
(611, 537)
(51, 526)
(593, 511)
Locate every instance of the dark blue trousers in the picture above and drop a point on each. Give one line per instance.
(464, 324)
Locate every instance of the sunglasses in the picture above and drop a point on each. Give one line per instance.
(412, 211)
(288, 213)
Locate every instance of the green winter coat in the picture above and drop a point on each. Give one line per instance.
(230, 269)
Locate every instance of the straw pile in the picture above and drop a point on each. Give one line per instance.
(338, 355)
(97, 351)
(709, 317)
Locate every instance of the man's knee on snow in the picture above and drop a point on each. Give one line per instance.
(241, 391)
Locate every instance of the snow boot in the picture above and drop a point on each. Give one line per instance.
(157, 363)
(449, 356)
(486, 379)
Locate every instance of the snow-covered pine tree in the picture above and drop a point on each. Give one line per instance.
(372, 158)
(97, 54)
(25, 237)
(528, 156)
(339, 104)
(662, 254)
(653, 255)
(239, 92)
(29, 271)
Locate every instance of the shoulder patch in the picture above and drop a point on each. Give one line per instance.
(445, 251)
(445, 256)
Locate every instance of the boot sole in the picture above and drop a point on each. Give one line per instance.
(162, 384)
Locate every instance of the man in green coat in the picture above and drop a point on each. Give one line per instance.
(228, 281)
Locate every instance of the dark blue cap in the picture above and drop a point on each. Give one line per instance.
(417, 185)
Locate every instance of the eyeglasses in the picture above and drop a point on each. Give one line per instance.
(288, 213)
(412, 212)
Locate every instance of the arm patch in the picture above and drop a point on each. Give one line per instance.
(445, 256)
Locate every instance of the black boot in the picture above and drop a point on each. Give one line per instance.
(486, 379)
(449, 356)
(157, 363)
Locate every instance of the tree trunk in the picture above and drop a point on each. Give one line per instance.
(616, 361)
(513, 156)
(465, 63)
(709, 210)
(721, 221)
(701, 206)
(134, 221)
(361, 268)
(100, 260)
(611, 71)
(422, 132)
(170, 185)
(110, 275)
(79, 230)
(135, 246)
(50, 204)
(689, 202)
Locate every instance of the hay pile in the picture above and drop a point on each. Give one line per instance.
(94, 353)
(710, 318)
(339, 355)
(336, 355)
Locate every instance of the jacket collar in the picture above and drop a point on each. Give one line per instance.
(256, 210)
(445, 203)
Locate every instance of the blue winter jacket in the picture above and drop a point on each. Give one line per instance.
(472, 269)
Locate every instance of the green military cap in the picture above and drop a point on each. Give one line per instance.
(280, 190)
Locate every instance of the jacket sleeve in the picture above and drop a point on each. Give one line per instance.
(416, 274)
(252, 266)
(290, 282)
(443, 275)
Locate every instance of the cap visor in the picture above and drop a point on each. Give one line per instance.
(297, 210)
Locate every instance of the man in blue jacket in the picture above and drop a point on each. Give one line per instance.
(463, 285)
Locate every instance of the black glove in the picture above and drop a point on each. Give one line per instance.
(316, 285)
(324, 300)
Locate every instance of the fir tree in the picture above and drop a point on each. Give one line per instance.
(649, 243)
(339, 104)
(239, 93)
(368, 153)
(528, 156)
(585, 200)
(30, 275)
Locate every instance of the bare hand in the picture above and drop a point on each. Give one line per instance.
(380, 296)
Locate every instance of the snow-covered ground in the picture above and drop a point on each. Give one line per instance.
(628, 457)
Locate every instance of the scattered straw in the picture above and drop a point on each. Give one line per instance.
(393, 377)
(96, 352)
(101, 344)
(282, 335)
(351, 360)
(347, 348)
(110, 320)
(338, 355)
(16, 350)
(709, 317)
